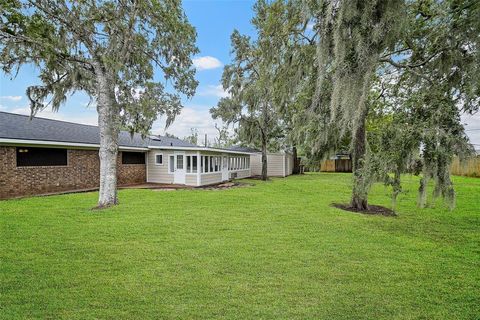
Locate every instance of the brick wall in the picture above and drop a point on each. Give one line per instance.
(82, 172)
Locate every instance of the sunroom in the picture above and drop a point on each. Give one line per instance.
(195, 166)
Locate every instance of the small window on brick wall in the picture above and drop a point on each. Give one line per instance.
(31, 157)
(133, 158)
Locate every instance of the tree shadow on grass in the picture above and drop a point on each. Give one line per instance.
(372, 210)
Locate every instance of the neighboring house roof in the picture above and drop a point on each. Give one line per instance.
(20, 127)
(243, 149)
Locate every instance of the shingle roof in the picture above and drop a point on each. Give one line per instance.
(16, 126)
(243, 149)
(161, 141)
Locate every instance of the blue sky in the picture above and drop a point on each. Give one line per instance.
(214, 20)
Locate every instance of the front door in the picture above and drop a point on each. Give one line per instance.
(224, 168)
(179, 168)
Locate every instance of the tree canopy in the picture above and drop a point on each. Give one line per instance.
(251, 83)
(110, 50)
(387, 80)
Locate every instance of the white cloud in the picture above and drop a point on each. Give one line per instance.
(191, 117)
(472, 128)
(206, 63)
(212, 90)
(89, 117)
(11, 98)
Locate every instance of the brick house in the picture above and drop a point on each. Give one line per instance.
(42, 156)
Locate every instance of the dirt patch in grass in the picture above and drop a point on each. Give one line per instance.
(257, 178)
(372, 209)
(226, 185)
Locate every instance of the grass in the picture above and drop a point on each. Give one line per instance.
(276, 250)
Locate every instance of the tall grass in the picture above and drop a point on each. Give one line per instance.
(468, 168)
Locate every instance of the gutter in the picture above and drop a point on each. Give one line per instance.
(198, 149)
(5, 141)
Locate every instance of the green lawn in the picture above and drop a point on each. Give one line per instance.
(275, 250)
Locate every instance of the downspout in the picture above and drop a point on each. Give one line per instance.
(198, 168)
(147, 154)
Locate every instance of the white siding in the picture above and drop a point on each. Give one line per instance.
(161, 174)
(289, 164)
(243, 174)
(278, 164)
(191, 179)
(256, 164)
(210, 178)
(158, 173)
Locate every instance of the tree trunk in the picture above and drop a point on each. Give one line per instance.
(397, 188)
(109, 129)
(264, 159)
(359, 192)
(422, 191)
(296, 163)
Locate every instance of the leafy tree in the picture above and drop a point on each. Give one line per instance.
(353, 36)
(171, 135)
(250, 81)
(224, 137)
(108, 49)
(424, 52)
(436, 77)
(193, 137)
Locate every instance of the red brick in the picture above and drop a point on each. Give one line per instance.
(82, 172)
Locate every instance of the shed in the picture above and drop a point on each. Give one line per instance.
(341, 162)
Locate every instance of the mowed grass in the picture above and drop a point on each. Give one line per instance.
(275, 250)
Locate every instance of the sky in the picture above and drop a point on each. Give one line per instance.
(214, 21)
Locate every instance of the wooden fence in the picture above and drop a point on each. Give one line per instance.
(469, 168)
(338, 165)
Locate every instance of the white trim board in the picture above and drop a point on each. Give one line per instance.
(62, 144)
(198, 149)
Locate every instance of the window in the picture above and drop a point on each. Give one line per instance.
(159, 159)
(27, 156)
(171, 164)
(180, 162)
(133, 158)
(206, 163)
(194, 164)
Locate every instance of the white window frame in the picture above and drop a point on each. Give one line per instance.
(159, 154)
(188, 159)
(171, 164)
